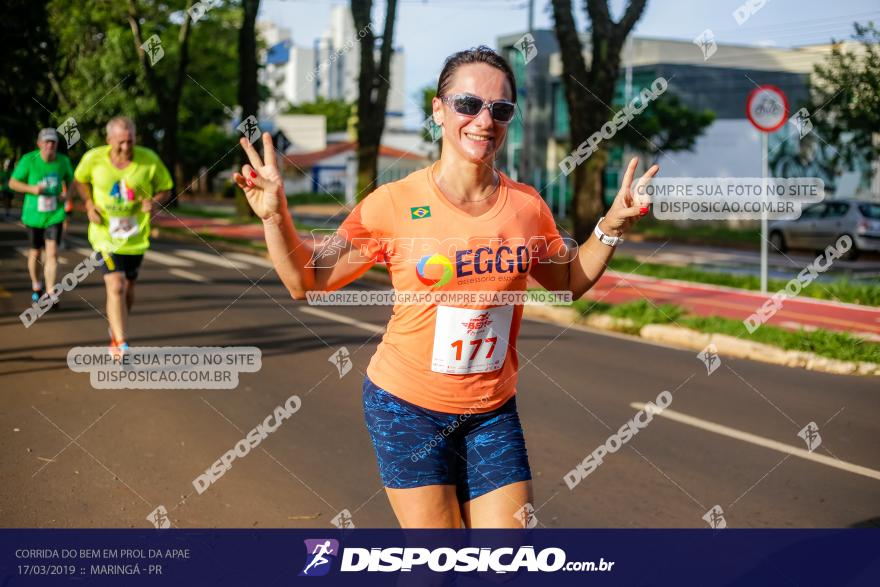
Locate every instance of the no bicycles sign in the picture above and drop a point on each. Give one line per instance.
(767, 108)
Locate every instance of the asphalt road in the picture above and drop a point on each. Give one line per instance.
(74, 456)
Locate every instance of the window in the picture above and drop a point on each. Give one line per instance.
(837, 210)
(813, 212)
(870, 210)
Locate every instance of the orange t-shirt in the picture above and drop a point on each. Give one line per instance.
(461, 357)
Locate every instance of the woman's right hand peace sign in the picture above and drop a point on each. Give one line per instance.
(261, 180)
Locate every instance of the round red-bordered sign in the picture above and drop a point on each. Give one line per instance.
(767, 108)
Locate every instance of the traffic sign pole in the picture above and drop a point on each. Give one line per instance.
(764, 174)
(767, 110)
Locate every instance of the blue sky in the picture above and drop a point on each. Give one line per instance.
(429, 30)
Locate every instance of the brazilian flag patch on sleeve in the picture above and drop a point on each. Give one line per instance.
(420, 212)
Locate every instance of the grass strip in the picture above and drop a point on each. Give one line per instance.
(827, 343)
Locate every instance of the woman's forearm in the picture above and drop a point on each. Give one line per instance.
(290, 254)
(593, 257)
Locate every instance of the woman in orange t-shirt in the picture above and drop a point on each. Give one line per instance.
(439, 393)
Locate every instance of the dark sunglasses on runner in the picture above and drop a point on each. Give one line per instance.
(468, 105)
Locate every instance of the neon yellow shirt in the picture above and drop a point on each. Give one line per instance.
(118, 194)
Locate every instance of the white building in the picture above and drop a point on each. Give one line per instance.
(297, 73)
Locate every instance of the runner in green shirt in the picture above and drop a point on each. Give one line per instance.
(122, 185)
(43, 176)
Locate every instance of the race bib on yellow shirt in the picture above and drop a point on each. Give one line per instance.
(470, 341)
(122, 227)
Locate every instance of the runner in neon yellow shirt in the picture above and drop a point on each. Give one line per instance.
(122, 186)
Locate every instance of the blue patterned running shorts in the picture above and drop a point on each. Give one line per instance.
(416, 447)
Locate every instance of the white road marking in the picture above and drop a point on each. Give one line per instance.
(344, 319)
(761, 441)
(189, 275)
(212, 259)
(254, 259)
(167, 260)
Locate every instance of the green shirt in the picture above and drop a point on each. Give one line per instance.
(118, 194)
(46, 209)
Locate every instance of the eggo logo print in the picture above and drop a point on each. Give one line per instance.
(505, 262)
(430, 260)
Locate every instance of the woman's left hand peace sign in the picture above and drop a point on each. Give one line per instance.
(628, 205)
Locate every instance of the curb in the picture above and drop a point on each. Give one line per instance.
(685, 338)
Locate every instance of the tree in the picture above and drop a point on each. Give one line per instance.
(373, 86)
(846, 99)
(98, 75)
(248, 85)
(166, 93)
(337, 112)
(665, 125)
(589, 92)
(96, 72)
(26, 93)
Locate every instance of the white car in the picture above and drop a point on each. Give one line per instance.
(822, 224)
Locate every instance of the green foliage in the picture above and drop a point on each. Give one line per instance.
(643, 312)
(337, 112)
(829, 343)
(315, 198)
(25, 91)
(666, 125)
(846, 98)
(701, 233)
(100, 77)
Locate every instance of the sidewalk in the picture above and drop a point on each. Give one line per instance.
(617, 288)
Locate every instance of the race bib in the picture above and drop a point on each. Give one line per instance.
(122, 227)
(46, 203)
(470, 341)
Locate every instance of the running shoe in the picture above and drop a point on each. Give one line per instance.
(117, 349)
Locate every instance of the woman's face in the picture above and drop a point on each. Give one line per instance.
(475, 138)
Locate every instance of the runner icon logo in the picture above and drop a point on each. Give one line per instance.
(343, 520)
(710, 358)
(715, 518)
(319, 556)
(341, 359)
(159, 518)
(810, 434)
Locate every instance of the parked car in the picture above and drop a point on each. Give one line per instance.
(822, 224)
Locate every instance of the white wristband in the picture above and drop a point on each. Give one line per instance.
(611, 241)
